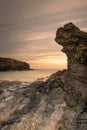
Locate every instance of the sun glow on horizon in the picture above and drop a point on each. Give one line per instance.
(55, 63)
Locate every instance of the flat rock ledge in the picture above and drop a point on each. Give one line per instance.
(60, 102)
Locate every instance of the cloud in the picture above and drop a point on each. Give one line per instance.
(28, 27)
(38, 36)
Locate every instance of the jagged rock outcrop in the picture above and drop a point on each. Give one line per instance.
(7, 64)
(74, 42)
(60, 102)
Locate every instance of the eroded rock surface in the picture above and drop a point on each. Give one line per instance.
(35, 106)
(60, 102)
(74, 42)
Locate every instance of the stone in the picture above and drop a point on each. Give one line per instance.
(74, 42)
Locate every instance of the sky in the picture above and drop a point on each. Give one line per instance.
(28, 28)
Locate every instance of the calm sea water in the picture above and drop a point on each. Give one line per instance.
(29, 76)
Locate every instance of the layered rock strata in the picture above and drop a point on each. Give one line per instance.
(60, 102)
(7, 64)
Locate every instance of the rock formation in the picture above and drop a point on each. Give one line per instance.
(60, 102)
(7, 64)
(74, 42)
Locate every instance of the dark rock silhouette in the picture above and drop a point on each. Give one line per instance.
(7, 64)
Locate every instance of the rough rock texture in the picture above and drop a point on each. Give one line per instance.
(7, 64)
(74, 44)
(60, 102)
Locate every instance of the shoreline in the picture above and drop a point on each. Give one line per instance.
(27, 76)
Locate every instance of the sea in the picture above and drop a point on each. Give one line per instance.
(27, 76)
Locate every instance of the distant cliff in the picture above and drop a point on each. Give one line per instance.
(7, 64)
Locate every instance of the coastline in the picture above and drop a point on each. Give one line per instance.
(28, 76)
(60, 102)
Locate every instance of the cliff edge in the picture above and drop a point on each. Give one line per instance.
(7, 64)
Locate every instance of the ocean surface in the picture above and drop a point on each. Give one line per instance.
(28, 76)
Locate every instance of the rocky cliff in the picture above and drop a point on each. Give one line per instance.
(74, 42)
(7, 64)
(60, 102)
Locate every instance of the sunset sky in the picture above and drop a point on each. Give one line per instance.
(28, 28)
